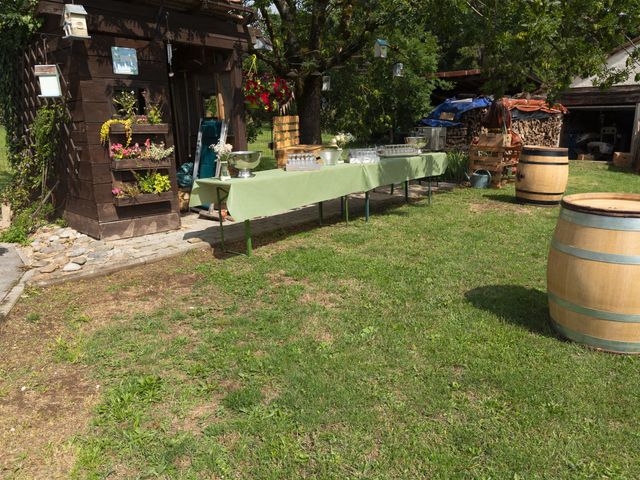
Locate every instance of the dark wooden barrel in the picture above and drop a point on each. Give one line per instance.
(542, 176)
(593, 271)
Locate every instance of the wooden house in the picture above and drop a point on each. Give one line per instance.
(187, 52)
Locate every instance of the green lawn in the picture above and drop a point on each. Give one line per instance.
(5, 176)
(414, 346)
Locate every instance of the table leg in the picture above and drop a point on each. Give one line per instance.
(366, 206)
(247, 237)
(341, 207)
(320, 213)
(406, 191)
(429, 180)
(220, 219)
(346, 209)
(391, 189)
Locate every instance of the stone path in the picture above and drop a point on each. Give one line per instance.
(11, 271)
(60, 254)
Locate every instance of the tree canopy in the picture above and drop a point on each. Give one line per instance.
(547, 42)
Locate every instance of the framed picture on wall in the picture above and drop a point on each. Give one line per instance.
(125, 61)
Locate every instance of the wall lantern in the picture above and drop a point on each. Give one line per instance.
(398, 70)
(74, 22)
(326, 83)
(381, 48)
(49, 79)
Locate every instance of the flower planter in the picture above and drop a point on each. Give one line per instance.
(143, 199)
(141, 129)
(139, 164)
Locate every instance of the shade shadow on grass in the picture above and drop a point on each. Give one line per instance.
(503, 197)
(525, 307)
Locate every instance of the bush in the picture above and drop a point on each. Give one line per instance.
(26, 222)
(458, 164)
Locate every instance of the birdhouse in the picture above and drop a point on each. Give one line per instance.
(381, 48)
(398, 70)
(326, 83)
(74, 22)
(49, 79)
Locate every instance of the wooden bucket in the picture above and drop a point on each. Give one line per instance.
(593, 272)
(542, 175)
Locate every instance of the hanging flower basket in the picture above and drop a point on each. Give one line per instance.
(265, 92)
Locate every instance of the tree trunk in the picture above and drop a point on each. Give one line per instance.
(308, 99)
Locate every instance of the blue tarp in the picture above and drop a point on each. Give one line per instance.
(457, 107)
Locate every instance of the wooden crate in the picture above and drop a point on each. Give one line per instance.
(497, 160)
(286, 139)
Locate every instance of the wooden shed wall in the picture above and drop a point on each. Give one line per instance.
(85, 174)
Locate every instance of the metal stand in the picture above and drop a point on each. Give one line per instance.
(247, 237)
(366, 206)
(346, 209)
(406, 191)
(320, 213)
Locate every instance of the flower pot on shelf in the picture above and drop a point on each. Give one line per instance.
(140, 164)
(141, 128)
(143, 198)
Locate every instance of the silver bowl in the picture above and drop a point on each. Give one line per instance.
(330, 156)
(245, 162)
(418, 142)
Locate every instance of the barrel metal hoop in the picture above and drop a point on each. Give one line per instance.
(537, 202)
(519, 190)
(609, 345)
(591, 312)
(596, 256)
(600, 221)
(526, 162)
(561, 152)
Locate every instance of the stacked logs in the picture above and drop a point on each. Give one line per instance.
(459, 138)
(543, 132)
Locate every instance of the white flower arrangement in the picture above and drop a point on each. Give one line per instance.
(222, 149)
(341, 140)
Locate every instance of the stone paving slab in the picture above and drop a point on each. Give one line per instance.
(11, 269)
(58, 255)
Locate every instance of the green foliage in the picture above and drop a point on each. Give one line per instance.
(17, 24)
(153, 182)
(153, 109)
(516, 43)
(34, 165)
(28, 190)
(458, 164)
(5, 171)
(369, 102)
(25, 222)
(126, 103)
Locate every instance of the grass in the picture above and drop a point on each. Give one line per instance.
(415, 346)
(5, 175)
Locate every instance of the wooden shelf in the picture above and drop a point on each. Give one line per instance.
(141, 129)
(144, 198)
(139, 164)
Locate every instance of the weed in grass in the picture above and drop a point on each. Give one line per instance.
(70, 351)
(242, 399)
(33, 317)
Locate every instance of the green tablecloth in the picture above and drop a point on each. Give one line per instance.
(276, 191)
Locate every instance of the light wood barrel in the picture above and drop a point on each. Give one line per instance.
(593, 272)
(542, 175)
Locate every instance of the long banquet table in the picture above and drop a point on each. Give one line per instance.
(272, 192)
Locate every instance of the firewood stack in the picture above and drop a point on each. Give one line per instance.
(544, 133)
(459, 138)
